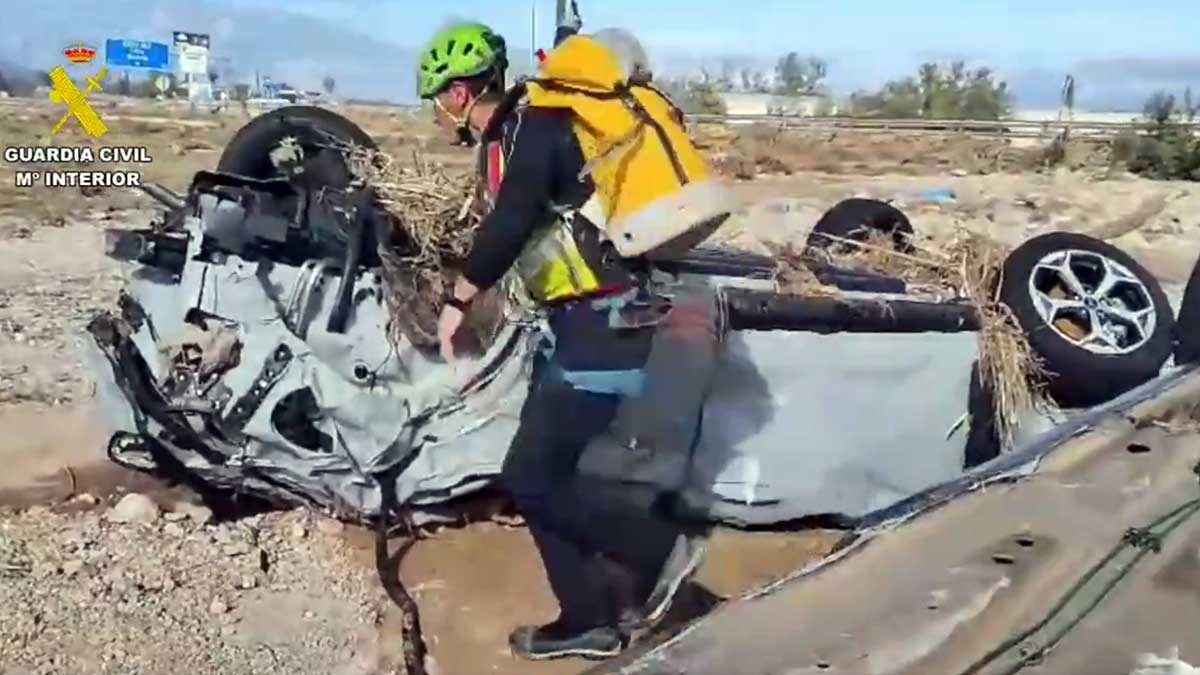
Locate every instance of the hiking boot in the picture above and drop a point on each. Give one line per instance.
(555, 640)
(683, 560)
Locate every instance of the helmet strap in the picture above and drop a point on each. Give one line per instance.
(465, 136)
(462, 125)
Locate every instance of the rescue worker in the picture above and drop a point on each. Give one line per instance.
(532, 172)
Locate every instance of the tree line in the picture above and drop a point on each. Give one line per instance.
(936, 91)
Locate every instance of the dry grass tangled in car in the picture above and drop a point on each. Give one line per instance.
(431, 216)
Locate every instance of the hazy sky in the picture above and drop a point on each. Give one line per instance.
(889, 28)
(867, 41)
(1118, 50)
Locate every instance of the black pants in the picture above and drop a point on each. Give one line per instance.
(569, 516)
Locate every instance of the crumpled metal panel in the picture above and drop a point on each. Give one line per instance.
(378, 404)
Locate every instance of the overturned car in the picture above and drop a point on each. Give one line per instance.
(255, 352)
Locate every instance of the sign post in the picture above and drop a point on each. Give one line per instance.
(191, 59)
(192, 53)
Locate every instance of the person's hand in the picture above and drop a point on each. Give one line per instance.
(451, 338)
(449, 323)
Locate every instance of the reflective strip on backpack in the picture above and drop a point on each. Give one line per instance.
(552, 266)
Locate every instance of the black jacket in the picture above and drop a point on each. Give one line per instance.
(543, 162)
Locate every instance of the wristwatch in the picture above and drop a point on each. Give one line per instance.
(460, 305)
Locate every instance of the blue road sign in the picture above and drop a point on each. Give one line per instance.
(136, 54)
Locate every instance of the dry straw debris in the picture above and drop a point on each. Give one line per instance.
(793, 275)
(432, 206)
(432, 218)
(964, 267)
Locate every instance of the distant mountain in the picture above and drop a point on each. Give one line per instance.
(287, 46)
(17, 79)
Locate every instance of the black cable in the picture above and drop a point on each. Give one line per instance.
(1145, 539)
(388, 568)
(358, 232)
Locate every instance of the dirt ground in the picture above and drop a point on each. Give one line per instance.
(318, 609)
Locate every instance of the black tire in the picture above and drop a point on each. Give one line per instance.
(1081, 377)
(249, 152)
(857, 218)
(1187, 326)
(983, 438)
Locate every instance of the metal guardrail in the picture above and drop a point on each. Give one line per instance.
(1008, 128)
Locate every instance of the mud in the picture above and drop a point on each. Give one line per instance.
(475, 584)
(52, 454)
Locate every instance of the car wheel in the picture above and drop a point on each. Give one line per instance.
(1100, 320)
(315, 130)
(857, 219)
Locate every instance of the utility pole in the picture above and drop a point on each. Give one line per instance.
(1068, 106)
(1068, 99)
(533, 35)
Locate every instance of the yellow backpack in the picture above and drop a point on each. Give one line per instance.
(655, 193)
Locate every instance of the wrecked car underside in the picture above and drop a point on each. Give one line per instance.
(255, 351)
(227, 366)
(236, 367)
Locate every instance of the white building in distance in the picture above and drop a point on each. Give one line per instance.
(743, 103)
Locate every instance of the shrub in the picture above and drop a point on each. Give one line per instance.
(1169, 150)
(1055, 154)
(1125, 147)
(939, 92)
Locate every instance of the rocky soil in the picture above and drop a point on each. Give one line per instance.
(52, 279)
(130, 589)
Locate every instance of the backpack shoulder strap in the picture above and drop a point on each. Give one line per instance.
(508, 103)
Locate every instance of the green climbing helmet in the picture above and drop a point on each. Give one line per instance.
(457, 52)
